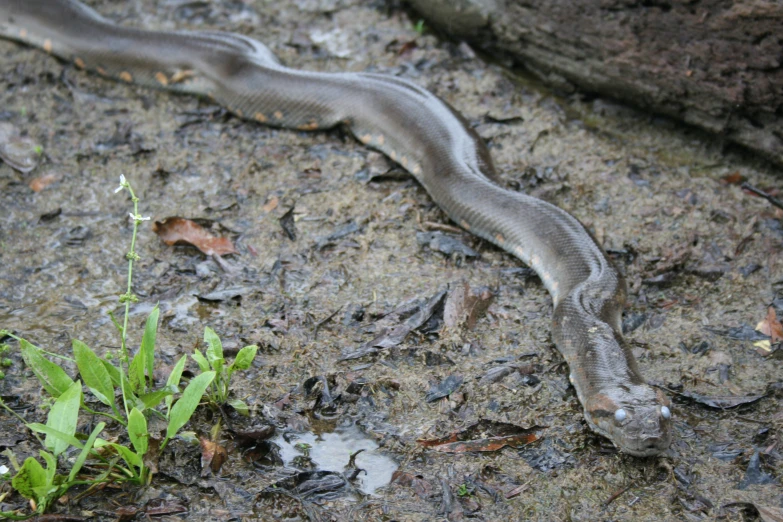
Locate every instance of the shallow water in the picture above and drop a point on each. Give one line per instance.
(331, 451)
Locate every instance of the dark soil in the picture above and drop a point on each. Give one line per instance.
(654, 193)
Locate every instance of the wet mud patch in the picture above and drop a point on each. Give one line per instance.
(702, 257)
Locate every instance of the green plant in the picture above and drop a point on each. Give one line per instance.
(130, 379)
(218, 392)
(40, 485)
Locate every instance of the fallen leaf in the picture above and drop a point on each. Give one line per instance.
(766, 513)
(253, 435)
(465, 305)
(735, 178)
(420, 486)
(754, 475)
(394, 336)
(741, 333)
(41, 182)
(485, 435)
(159, 506)
(721, 402)
(311, 485)
(271, 204)
(445, 244)
(213, 455)
(444, 388)
(771, 326)
(288, 224)
(178, 231)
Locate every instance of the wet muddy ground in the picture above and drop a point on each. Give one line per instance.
(702, 256)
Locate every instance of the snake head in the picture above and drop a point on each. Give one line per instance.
(637, 418)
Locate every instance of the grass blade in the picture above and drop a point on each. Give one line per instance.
(94, 373)
(85, 451)
(244, 359)
(63, 417)
(53, 378)
(183, 409)
(147, 349)
(137, 431)
(174, 378)
(47, 430)
(202, 362)
(214, 350)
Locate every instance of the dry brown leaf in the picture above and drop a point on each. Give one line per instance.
(213, 455)
(41, 182)
(271, 204)
(485, 435)
(771, 326)
(178, 231)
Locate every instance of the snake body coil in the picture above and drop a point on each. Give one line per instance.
(424, 135)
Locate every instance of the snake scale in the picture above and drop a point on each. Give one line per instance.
(425, 136)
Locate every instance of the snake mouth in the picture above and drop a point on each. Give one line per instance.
(647, 448)
(639, 439)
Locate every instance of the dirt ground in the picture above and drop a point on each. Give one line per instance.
(702, 257)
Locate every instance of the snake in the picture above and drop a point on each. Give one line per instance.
(428, 138)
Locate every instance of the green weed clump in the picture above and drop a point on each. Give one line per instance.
(130, 379)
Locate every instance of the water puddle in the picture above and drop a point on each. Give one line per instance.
(331, 451)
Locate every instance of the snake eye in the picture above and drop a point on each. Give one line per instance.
(665, 412)
(620, 415)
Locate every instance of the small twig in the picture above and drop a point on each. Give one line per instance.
(323, 322)
(750, 188)
(617, 494)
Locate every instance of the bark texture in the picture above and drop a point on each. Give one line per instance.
(715, 64)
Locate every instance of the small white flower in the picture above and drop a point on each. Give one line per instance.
(4, 470)
(137, 217)
(123, 184)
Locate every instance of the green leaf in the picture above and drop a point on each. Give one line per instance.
(63, 417)
(137, 431)
(113, 372)
(85, 451)
(183, 409)
(53, 378)
(191, 437)
(200, 360)
(51, 466)
(150, 400)
(240, 407)
(148, 341)
(69, 439)
(174, 378)
(214, 350)
(136, 373)
(244, 359)
(130, 397)
(94, 373)
(30, 476)
(127, 455)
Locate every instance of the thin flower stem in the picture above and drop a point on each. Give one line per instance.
(128, 297)
(131, 256)
(104, 414)
(50, 354)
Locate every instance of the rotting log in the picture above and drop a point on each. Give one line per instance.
(715, 64)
